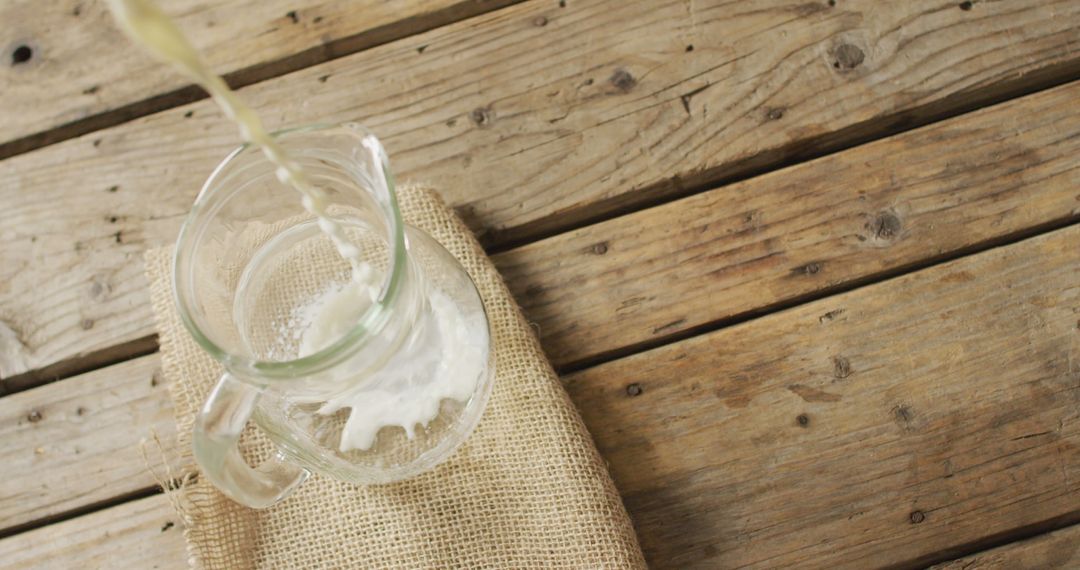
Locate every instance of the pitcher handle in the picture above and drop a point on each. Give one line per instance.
(217, 431)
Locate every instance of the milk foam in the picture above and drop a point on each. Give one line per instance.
(441, 360)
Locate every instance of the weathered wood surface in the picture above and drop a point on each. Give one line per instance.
(728, 252)
(1056, 550)
(141, 534)
(888, 426)
(586, 110)
(891, 425)
(66, 61)
(72, 444)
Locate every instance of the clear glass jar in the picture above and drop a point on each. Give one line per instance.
(369, 376)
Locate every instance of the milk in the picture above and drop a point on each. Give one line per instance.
(147, 24)
(441, 358)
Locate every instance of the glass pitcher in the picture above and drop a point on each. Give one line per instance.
(370, 375)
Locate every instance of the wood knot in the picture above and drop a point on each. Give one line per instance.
(622, 80)
(885, 226)
(482, 116)
(812, 268)
(34, 416)
(21, 54)
(841, 367)
(916, 517)
(965, 6)
(292, 15)
(633, 390)
(848, 57)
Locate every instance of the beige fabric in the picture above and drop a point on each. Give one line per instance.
(527, 490)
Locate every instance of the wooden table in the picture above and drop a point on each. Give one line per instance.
(810, 268)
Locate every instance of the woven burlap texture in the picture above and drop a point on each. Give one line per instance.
(527, 490)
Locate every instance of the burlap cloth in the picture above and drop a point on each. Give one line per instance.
(527, 490)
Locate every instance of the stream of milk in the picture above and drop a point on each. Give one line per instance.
(442, 362)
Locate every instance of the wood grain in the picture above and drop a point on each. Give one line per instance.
(818, 436)
(724, 253)
(1059, 549)
(892, 426)
(69, 445)
(143, 534)
(67, 69)
(641, 279)
(732, 251)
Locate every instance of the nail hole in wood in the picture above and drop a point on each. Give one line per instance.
(803, 420)
(633, 390)
(848, 57)
(21, 54)
(622, 80)
(965, 6)
(292, 15)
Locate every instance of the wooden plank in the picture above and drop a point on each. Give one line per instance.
(67, 64)
(85, 303)
(139, 534)
(890, 426)
(643, 278)
(72, 444)
(894, 425)
(1059, 549)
